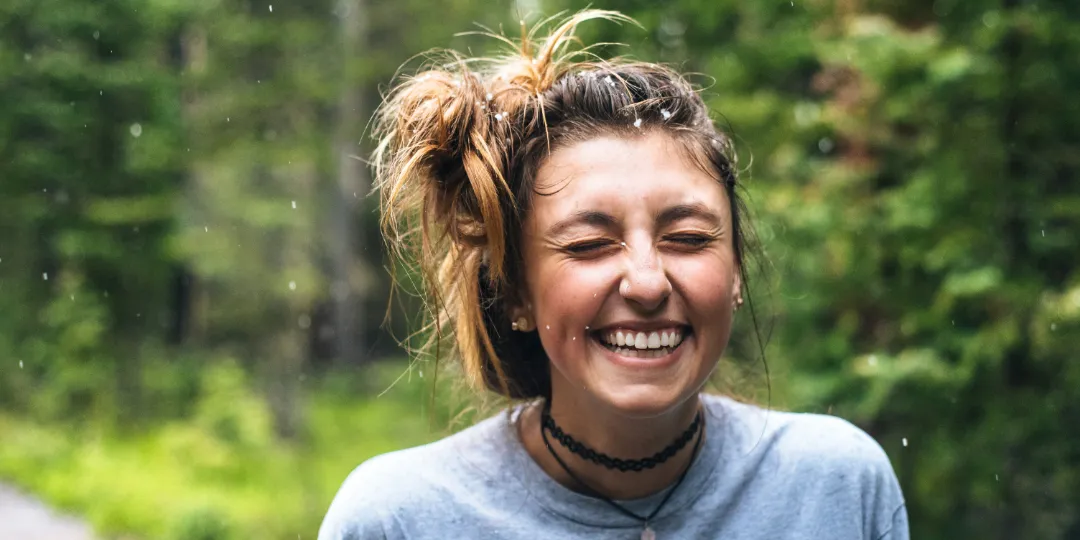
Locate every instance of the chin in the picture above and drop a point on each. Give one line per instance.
(645, 400)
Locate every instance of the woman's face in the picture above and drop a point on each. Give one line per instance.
(631, 275)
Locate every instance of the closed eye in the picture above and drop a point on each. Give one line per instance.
(689, 240)
(588, 247)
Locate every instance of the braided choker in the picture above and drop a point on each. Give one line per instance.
(623, 465)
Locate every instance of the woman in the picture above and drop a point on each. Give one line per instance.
(580, 232)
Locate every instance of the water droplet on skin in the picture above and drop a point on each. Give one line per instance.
(586, 328)
(637, 123)
(547, 327)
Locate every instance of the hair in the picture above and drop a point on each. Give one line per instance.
(459, 147)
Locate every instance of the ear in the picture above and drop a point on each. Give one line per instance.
(736, 288)
(521, 316)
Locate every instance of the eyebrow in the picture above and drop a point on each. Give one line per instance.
(667, 216)
(582, 217)
(672, 214)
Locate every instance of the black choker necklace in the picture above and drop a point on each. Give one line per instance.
(600, 458)
(646, 533)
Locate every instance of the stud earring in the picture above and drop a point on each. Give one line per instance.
(521, 324)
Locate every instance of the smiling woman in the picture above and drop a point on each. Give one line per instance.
(580, 233)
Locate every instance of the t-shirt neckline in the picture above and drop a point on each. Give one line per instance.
(591, 511)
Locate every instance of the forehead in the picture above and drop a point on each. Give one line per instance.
(622, 176)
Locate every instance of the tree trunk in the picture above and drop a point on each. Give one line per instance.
(348, 283)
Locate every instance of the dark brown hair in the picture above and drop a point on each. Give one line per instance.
(460, 144)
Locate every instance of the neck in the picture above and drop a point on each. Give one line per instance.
(616, 435)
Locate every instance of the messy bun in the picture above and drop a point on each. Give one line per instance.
(459, 147)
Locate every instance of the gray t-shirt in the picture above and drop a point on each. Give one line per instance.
(760, 474)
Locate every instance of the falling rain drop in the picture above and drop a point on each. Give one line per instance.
(294, 205)
(136, 130)
(1053, 327)
(97, 34)
(20, 364)
(1044, 233)
(292, 285)
(905, 441)
(271, 8)
(207, 229)
(45, 276)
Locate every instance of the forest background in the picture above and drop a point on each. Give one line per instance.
(192, 284)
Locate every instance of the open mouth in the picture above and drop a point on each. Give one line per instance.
(634, 344)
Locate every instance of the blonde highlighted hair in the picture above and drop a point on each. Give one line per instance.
(459, 145)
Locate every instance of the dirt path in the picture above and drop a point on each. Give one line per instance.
(23, 517)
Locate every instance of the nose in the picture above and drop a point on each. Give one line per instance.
(645, 282)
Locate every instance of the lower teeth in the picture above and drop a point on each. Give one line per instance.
(640, 353)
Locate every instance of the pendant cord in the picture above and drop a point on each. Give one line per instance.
(615, 505)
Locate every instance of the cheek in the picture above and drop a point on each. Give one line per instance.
(705, 283)
(567, 296)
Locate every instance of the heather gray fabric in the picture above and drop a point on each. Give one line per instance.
(760, 475)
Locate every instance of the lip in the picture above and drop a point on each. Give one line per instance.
(642, 326)
(643, 363)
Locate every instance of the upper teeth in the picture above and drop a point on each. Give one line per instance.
(641, 340)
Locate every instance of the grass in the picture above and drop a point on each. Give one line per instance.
(219, 475)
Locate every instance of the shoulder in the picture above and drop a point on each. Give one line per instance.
(819, 458)
(818, 440)
(408, 482)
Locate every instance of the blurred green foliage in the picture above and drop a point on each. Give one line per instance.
(183, 237)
